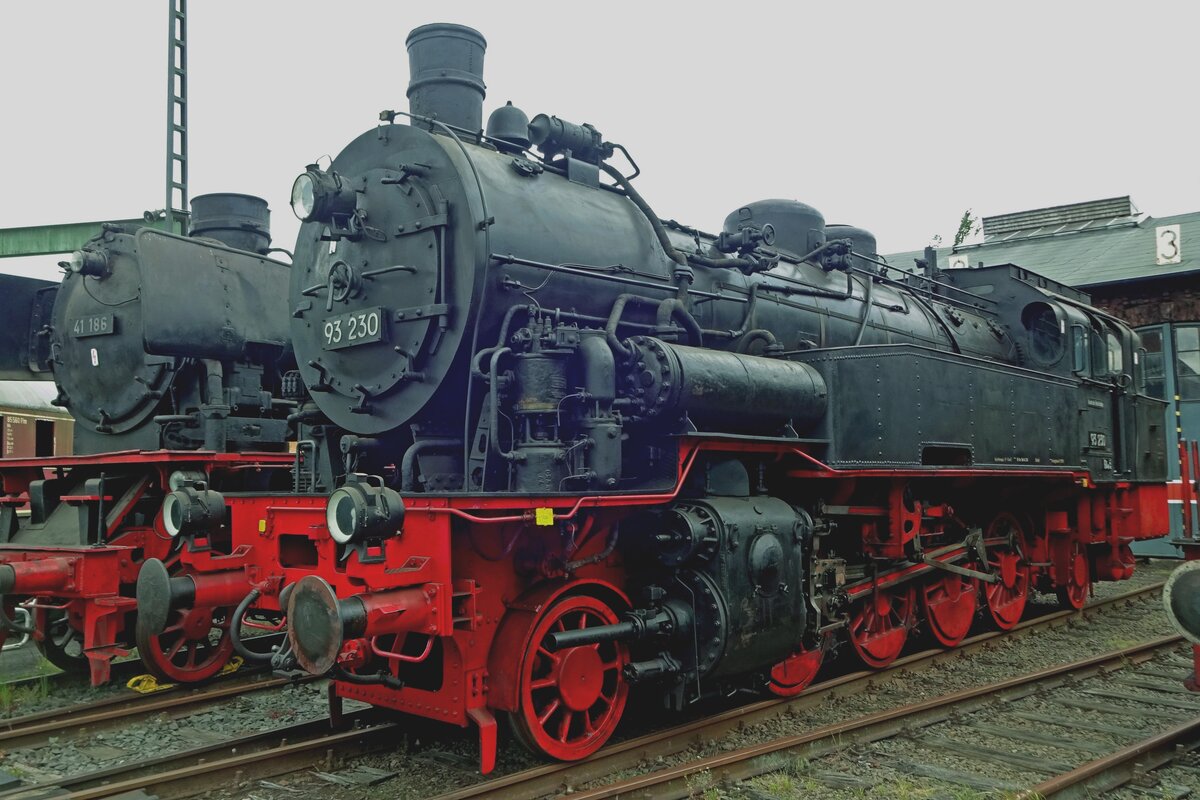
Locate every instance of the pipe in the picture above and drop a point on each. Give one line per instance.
(382, 678)
(494, 408)
(614, 319)
(609, 546)
(408, 482)
(746, 265)
(862, 324)
(215, 411)
(673, 308)
(476, 368)
(753, 336)
(11, 625)
(659, 231)
(235, 633)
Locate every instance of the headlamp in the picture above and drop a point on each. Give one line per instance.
(192, 509)
(88, 262)
(318, 196)
(360, 510)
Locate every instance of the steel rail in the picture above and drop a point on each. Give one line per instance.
(1115, 770)
(547, 778)
(108, 712)
(197, 778)
(748, 762)
(252, 742)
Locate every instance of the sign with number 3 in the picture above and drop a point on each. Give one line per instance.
(1169, 248)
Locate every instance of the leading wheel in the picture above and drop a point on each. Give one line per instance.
(62, 644)
(880, 627)
(1007, 596)
(1073, 593)
(949, 601)
(571, 699)
(193, 646)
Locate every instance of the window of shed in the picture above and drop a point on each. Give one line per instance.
(1152, 364)
(1187, 361)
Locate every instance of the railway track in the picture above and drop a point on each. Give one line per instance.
(116, 710)
(913, 736)
(308, 744)
(221, 765)
(552, 778)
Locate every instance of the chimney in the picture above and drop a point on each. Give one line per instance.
(445, 63)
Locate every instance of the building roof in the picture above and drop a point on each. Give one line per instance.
(1111, 245)
(30, 396)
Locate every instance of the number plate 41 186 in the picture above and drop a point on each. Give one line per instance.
(352, 328)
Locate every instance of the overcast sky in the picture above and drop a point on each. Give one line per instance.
(892, 116)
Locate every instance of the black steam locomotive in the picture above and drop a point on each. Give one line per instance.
(556, 445)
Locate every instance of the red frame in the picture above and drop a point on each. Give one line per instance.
(95, 585)
(483, 593)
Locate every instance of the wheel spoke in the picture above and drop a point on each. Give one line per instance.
(564, 727)
(174, 649)
(549, 712)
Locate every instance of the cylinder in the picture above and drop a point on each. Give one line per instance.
(445, 65)
(240, 221)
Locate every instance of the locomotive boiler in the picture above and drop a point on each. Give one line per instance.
(557, 446)
(170, 353)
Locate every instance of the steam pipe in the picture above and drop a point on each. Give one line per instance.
(494, 408)
(408, 480)
(655, 223)
(672, 308)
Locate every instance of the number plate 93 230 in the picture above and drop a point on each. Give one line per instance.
(352, 328)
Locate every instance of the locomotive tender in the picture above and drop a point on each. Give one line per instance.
(557, 447)
(170, 353)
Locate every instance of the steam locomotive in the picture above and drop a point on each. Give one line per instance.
(554, 446)
(171, 354)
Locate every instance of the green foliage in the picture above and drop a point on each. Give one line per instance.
(968, 226)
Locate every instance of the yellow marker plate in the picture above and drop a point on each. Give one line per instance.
(543, 516)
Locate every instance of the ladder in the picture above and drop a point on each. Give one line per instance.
(177, 160)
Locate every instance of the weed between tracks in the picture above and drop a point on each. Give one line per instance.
(13, 697)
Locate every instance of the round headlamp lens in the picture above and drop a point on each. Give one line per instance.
(76, 261)
(304, 197)
(173, 514)
(341, 516)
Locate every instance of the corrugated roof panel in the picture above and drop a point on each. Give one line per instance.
(1054, 216)
(1088, 257)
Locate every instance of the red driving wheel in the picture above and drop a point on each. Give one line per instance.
(879, 629)
(1073, 594)
(1006, 598)
(571, 699)
(793, 675)
(949, 602)
(194, 645)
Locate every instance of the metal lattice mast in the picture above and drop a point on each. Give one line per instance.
(177, 160)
